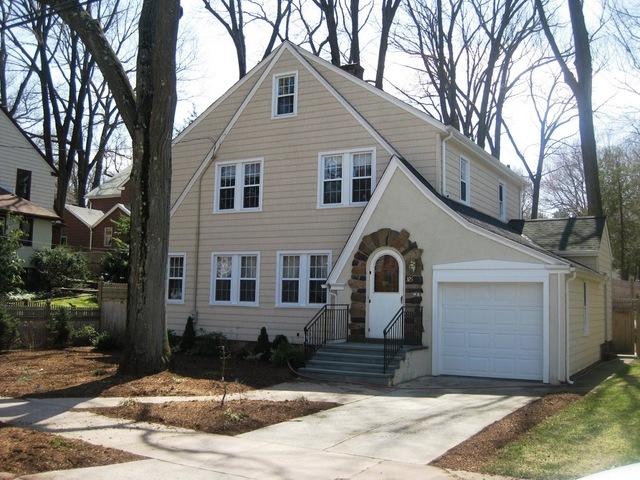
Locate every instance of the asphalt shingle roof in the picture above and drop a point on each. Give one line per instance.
(563, 234)
(112, 187)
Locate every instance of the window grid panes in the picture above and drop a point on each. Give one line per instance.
(332, 179)
(239, 187)
(464, 182)
(175, 287)
(361, 177)
(318, 273)
(290, 286)
(235, 278)
(224, 266)
(301, 277)
(286, 90)
(251, 193)
(227, 187)
(248, 278)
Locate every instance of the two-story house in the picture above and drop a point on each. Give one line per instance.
(92, 228)
(27, 188)
(309, 202)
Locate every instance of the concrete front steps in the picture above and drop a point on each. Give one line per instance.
(352, 362)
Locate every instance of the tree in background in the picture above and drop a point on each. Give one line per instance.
(50, 83)
(580, 83)
(115, 263)
(564, 185)
(148, 113)
(12, 265)
(59, 268)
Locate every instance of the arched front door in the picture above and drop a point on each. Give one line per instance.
(386, 290)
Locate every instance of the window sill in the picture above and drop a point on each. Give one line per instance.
(175, 302)
(291, 305)
(287, 115)
(232, 304)
(343, 205)
(243, 210)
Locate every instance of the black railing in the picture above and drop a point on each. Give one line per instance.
(330, 323)
(404, 329)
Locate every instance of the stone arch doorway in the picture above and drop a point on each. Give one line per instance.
(384, 240)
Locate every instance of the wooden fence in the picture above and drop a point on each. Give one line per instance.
(626, 317)
(113, 314)
(33, 317)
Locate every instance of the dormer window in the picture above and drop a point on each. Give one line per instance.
(285, 95)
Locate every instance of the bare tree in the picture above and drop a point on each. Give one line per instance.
(148, 113)
(233, 17)
(564, 187)
(580, 83)
(389, 9)
(553, 111)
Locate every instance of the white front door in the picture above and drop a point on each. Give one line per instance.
(386, 287)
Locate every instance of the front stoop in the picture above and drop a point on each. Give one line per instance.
(353, 362)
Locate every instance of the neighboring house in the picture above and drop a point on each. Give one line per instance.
(305, 193)
(111, 192)
(27, 188)
(90, 229)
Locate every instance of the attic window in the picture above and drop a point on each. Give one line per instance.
(285, 95)
(464, 180)
(502, 202)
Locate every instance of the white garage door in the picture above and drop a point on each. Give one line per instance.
(491, 330)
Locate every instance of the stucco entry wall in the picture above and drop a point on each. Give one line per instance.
(399, 241)
(444, 240)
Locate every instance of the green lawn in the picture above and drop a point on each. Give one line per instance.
(598, 432)
(83, 300)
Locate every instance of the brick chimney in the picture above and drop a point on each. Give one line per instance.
(354, 69)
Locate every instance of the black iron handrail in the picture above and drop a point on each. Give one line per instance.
(405, 328)
(330, 323)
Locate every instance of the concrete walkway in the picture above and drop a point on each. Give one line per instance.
(377, 433)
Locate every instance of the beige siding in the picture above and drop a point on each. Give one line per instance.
(289, 220)
(605, 259)
(584, 346)
(484, 182)
(16, 152)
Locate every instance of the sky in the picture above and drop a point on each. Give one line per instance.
(212, 69)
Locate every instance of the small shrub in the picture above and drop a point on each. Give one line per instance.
(287, 354)
(60, 267)
(279, 340)
(105, 342)
(263, 346)
(83, 336)
(174, 340)
(208, 344)
(59, 329)
(189, 336)
(8, 330)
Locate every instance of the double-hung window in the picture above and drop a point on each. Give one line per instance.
(301, 276)
(176, 277)
(464, 180)
(502, 202)
(239, 186)
(108, 236)
(285, 95)
(346, 178)
(235, 278)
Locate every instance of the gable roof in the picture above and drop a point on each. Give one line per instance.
(28, 139)
(11, 203)
(573, 234)
(117, 206)
(112, 187)
(88, 216)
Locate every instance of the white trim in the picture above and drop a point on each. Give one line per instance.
(238, 187)
(235, 279)
(88, 225)
(466, 180)
(502, 202)
(275, 96)
(117, 206)
(501, 272)
(361, 120)
(216, 146)
(371, 262)
(303, 288)
(586, 320)
(183, 255)
(347, 176)
(394, 165)
(178, 138)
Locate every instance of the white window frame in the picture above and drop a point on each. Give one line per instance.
(105, 236)
(238, 187)
(347, 176)
(235, 279)
(303, 291)
(467, 180)
(274, 95)
(184, 277)
(585, 309)
(502, 203)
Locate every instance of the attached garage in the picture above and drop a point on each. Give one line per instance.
(491, 330)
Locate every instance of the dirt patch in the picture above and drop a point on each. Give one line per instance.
(479, 450)
(24, 451)
(235, 417)
(82, 372)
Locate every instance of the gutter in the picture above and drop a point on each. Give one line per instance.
(443, 188)
(566, 326)
(197, 252)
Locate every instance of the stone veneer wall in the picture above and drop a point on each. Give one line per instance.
(412, 255)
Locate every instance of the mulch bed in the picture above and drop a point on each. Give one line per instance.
(479, 450)
(82, 372)
(24, 451)
(233, 418)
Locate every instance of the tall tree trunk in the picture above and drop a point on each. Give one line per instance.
(354, 52)
(389, 9)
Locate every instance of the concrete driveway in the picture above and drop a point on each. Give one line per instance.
(376, 433)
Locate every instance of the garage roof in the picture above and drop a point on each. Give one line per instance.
(573, 234)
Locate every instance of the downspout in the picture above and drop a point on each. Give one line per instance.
(567, 327)
(197, 253)
(90, 238)
(443, 153)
